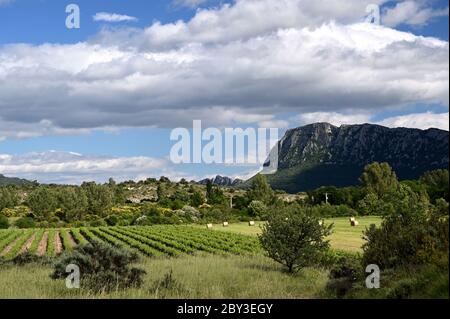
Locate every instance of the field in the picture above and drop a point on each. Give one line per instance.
(221, 263)
(152, 241)
(344, 236)
(198, 276)
(167, 240)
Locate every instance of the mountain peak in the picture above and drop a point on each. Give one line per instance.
(323, 154)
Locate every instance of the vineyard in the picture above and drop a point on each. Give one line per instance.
(152, 241)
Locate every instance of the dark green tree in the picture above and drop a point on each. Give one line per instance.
(9, 197)
(436, 183)
(379, 179)
(260, 190)
(43, 201)
(4, 223)
(294, 238)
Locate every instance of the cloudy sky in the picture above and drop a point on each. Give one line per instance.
(101, 100)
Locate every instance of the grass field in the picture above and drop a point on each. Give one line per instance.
(344, 236)
(208, 276)
(221, 263)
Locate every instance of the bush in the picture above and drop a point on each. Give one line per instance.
(112, 220)
(190, 213)
(103, 268)
(4, 222)
(98, 223)
(25, 222)
(411, 234)
(403, 289)
(29, 258)
(294, 238)
(258, 209)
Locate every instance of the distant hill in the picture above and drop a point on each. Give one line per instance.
(221, 181)
(12, 181)
(322, 154)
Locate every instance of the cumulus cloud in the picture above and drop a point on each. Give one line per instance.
(334, 118)
(74, 168)
(112, 17)
(228, 65)
(412, 12)
(421, 121)
(416, 120)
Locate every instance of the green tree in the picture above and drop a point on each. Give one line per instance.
(214, 194)
(258, 209)
(161, 191)
(43, 201)
(4, 223)
(8, 197)
(294, 238)
(197, 199)
(74, 203)
(99, 198)
(436, 183)
(407, 233)
(118, 192)
(261, 190)
(379, 179)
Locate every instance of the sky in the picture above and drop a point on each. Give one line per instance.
(102, 100)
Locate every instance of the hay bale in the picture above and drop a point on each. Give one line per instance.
(225, 224)
(354, 223)
(209, 226)
(251, 223)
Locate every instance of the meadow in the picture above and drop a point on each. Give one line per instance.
(225, 262)
(344, 236)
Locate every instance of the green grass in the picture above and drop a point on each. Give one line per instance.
(207, 276)
(344, 236)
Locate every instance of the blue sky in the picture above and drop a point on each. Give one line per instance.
(70, 99)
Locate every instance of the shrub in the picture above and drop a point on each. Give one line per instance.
(4, 222)
(102, 267)
(98, 223)
(25, 222)
(294, 239)
(29, 258)
(190, 213)
(403, 289)
(411, 234)
(258, 209)
(112, 220)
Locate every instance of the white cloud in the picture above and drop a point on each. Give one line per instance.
(412, 12)
(234, 64)
(112, 17)
(334, 118)
(416, 120)
(421, 121)
(74, 168)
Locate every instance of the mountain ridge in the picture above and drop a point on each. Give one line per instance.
(321, 154)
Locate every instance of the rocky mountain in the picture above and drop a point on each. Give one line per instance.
(322, 154)
(221, 181)
(12, 181)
